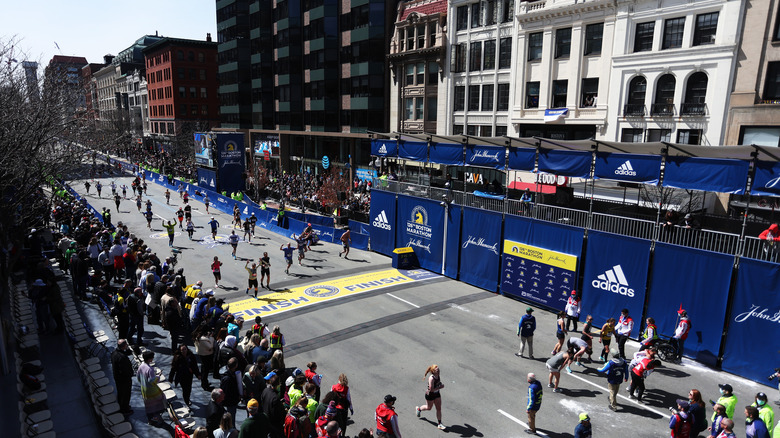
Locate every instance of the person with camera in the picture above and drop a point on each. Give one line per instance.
(681, 422)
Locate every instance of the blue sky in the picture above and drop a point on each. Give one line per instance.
(92, 28)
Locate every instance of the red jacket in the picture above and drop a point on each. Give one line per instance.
(775, 233)
(383, 416)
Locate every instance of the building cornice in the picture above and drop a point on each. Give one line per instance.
(546, 10)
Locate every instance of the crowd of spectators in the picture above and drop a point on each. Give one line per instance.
(320, 193)
(182, 167)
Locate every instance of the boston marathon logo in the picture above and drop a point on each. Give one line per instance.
(418, 223)
(321, 291)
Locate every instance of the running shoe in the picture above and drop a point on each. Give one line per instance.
(557, 390)
(417, 411)
(441, 426)
(568, 369)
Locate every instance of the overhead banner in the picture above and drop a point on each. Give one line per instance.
(615, 276)
(480, 247)
(384, 148)
(754, 321)
(766, 181)
(540, 275)
(493, 157)
(566, 163)
(230, 162)
(382, 222)
(698, 281)
(522, 159)
(447, 153)
(645, 169)
(453, 241)
(420, 225)
(706, 174)
(207, 179)
(413, 150)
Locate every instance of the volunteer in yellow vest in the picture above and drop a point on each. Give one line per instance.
(650, 335)
(192, 293)
(727, 399)
(276, 340)
(765, 412)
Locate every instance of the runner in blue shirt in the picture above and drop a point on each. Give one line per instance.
(214, 225)
(288, 255)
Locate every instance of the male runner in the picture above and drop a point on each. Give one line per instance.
(149, 216)
(233, 242)
(288, 255)
(214, 225)
(253, 222)
(207, 202)
(167, 196)
(247, 230)
(346, 240)
(171, 228)
(180, 217)
(252, 277)
(265, 270)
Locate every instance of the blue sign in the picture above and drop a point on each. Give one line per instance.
(230, 162)
(706, 174)
(420, 225)
(537, 274)
(383, 221)
(615, 276)
(481, 247)
(486, 156)
(365, 174)
(766, 181)
(644, 169)
(207, 179)
(325, 162)
(553, 115)
(413, 150)
(566, 163)
(446, 153)
(384, 148)
(522, 158)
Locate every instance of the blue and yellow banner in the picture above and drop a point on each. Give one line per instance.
(541, 275)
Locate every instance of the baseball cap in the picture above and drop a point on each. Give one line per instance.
(684, 404)
(210, 292)
(761, 396)
(726, 387)
(584, 416)
(529, 310)
(574, 292)
(389, 398)
(252, 404)
(270, 375)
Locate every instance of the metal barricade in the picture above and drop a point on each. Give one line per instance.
(760, 249)
(471, 200)
(568, 216)
(625, 226)
(715, 241)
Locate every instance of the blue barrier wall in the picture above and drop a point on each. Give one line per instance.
(480, 247)
(453, 241)
(420, 225)
(383, 221)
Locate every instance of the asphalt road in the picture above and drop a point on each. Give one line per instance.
(383, 339)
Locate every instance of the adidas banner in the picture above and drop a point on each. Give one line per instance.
(644, 169)
(754, 321)
(447, 153)
(698, 281)
(615, 276)
(766, 181)
(706, 174)
(480, 247)
(420, 225)
(493, 157)
(566, 163)
(522, 158)
(453, 241)
(413, 150)
(207, 179)
(384, 148)
(382, 222)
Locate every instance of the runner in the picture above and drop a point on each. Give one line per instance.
(98, 187)
(236, 217)
(307, 236)
(253, 221)
(265, 270)
(301, 248)
(233, 242)
(252, 277)
(215, 269)
(149, 216)
(214, 225)
(288, 255)
(606, 338)
(124, 191)
(87, 186)
(113, 188)
(247, 230)
(186, 198)
(190, 228)
(432, 396)
(346, 240)
(187, 212)
(181, 191)
(171, 228)
(138, 203)
(134, 185)
(148, 205)
(167, 196)
(207, 202)
(180, 216)
(117, 200)
(145, 187)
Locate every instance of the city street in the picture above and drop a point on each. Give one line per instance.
(383, 329)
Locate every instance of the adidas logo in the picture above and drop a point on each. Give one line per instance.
(625, 169)
(381, 221)
(382, 150)
(614, 280)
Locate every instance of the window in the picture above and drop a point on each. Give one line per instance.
(409, 108)
(475, 56)
(201, 57)
(180, 73)
(202, 74)
(458, 58)
(593, 36)
(532, 94)
(409, 38)
(486, 131)
(629, 135)
(194, 110)
(472, 130)
(193, 74)
(689, 136)
(421, 36)
(476, 16)
(432, 108)
(643, 40)
(673, 33)
(180, 56)
(420, 73)
(401, 40)
(193, 92)
(507, 10)
(706, 26)
(432, 34)
(635, 105)
(590, 92)
(433, 73)
(505, 53)
(560, 88)
(409, 74)
(489, 60)
(503, 97)
(655, 135)
(457, 129)
(204, 110)
(490, 12)
(663, 105)
(460, 98)
(695, 93)
(419, 108)
(535, 46)
(500, 131)
(772, 83)
(203, 93)
(487, 97)
(463, 18)
(563, 43)
(473, 97)
(182, 92)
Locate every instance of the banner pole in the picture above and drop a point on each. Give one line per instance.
(444, 238)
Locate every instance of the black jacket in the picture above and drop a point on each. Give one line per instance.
(272, 407)
(214, 413)
(123, 369)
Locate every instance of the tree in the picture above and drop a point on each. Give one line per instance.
(682, 200)
(333, 184)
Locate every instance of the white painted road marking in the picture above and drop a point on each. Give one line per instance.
(403, 300)
(520, 422)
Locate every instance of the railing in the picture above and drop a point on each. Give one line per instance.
(662, 109)
(634, 109)
(693, 109)
(761, 249)
(708, 240)
(561, 215)
(625, 226)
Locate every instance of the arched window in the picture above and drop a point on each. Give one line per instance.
(635, 104)
(695, 93)
(663, 105)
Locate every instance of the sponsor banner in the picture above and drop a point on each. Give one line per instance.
(699, 282)
(537, 274)
(615, 275)
(359, 227)
(204, 147)
(420, 225)
(447, 153)
(486, 156)
(230, 159)
(644, 169)
(766, 181)
(359, 241)
(326, 234)
(365, 174)
(453, 241)
(753, 322)
(384, 148)
(299, 297)
(567, 163)
(557, 237)
(382, 216)
(413, 150)
(481, 246)
(555, 115)
(706, 174)
(522, 158)
(207, 179)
